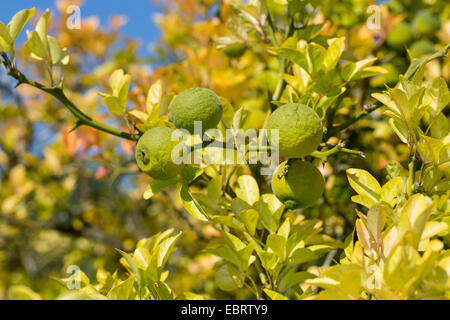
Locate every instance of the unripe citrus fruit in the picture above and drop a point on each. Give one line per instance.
(421, 48)
(154, 153)
(426, 23)
(298, 184)
(400, 35)
(196, 104)
(235, 50)
(300, 130)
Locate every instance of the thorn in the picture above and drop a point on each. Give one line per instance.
(19, 82)
(77, 125)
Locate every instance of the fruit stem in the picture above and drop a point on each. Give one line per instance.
(324, 155)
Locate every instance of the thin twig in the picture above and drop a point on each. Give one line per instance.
(57, 92)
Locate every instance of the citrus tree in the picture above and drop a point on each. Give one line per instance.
(299, 148)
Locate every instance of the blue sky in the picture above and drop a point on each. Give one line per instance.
(139, 12)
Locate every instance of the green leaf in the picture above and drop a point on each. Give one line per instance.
(22, 293)
(376, 220)
(142, 257)
(120, 83)
(132, 266)
(437, 96)
(191, 173)
(285, 229)
(364, 184)
(353, 71)
(250, 219)
(82, 295)
(114, 105)
(391, 190)
(291, 278)
(156, 186)
(161, 291)
(165, 249)
(154, 98)
(334, 52)
(233, 242)
(35, 46)
(268, 218)
(269, 260)
(430, 150)
(311, 31)
(215, 189)
(122, 291)
(229, 278)
(58, 55)
(400, 130)
(277, 244)
(238, 205)
(296, 57)
(5, 38)
(138, 115)
(238, 119)
(363, 234)
(229, 221)
(190, 296)
(364, 200)
(273, 295)
(417, 211)
(400, 266)
(191, 205)
(247, 189)
(302, 255)
(18, 22)
(42, 27)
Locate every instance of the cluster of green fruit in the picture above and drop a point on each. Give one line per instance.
(154, 149)
(298, 184)
(423, 26)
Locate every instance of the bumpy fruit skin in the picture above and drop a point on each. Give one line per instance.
(154, 153)
(301, 187)
(300, 130)
(196, 104)
(400, 35)
(426, 23)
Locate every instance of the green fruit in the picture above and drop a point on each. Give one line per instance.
(400, 35)
(300, 187)
(154, 153)
(235, 50)
(196, 104)
(426, 23)
(421, 48)
(300, 130)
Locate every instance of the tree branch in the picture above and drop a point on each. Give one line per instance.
(57, 92)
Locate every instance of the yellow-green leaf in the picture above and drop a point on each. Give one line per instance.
(364, 183)
(18, 22)
(5, 38)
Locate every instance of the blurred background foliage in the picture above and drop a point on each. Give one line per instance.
(71, 198)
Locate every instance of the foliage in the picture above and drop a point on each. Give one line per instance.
(70, 200)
